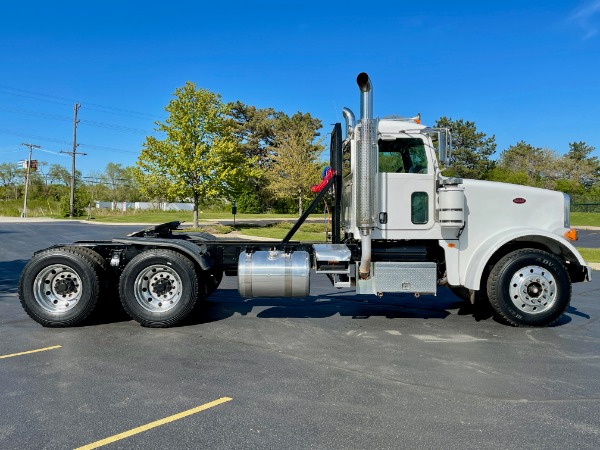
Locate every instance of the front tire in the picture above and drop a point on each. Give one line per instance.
(59, 287)
(529, 287)
(159, 288)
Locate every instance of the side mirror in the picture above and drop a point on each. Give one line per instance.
(444, 144)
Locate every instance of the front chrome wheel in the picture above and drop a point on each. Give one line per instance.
(529, 287)
(533, 289)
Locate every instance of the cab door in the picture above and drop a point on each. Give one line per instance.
(406, 188)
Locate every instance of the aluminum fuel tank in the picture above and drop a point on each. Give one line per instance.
(274, 274)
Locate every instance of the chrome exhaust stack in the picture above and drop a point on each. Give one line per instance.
(350, 120)
(366, 173)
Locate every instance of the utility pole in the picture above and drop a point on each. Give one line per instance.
(31, 147)
(73, 154)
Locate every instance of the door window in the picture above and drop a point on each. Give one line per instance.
(419, 208)
(404, 155)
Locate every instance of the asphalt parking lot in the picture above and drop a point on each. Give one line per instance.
(332, 371)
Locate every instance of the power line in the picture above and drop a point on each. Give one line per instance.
(110, 149)
(60, 141)
(50, 151)
(41, 138)
(111, 126)
(92, 123)
(13, 149)
(35, 113)
(34, 98)
(63, 100)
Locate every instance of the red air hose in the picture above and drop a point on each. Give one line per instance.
(328, 173)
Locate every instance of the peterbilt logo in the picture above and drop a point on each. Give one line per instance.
(519, 200)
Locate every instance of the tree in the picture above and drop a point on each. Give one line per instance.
(9, 174)
(121, 182)
(525, 164)
(113, 177)
(130, 189)
(61, 174)
(580, 151)
(60, 182)
(295, 151)
(38, 182)
(254, 129)
(81, 200)
(579, 166)
(471, 149)
(575, 172)
(154, 186)
(199, 158)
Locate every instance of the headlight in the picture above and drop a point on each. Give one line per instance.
(567, 210)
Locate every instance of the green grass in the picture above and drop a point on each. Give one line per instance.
(35, 208)
(308, 232)
(591, 255)
(141, 216)
(590, 219)
(215, 228)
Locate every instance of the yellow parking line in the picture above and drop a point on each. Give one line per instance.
(157, 423)
(31, 351)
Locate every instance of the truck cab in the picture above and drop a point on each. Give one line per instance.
(422, 229)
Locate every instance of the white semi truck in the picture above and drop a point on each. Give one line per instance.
(398, 226)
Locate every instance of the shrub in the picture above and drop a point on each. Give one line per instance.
(250, 203)
(81, 201)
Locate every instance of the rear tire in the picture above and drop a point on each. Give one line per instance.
(159, 288)
(59, 287)
(109, 306)
(530, 288)
(105, 275)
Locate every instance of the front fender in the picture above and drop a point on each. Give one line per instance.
(476, 265)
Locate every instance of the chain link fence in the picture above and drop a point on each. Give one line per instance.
(585, 207)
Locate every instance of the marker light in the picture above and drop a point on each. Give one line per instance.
(571, 234)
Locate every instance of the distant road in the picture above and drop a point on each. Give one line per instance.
(588, 239)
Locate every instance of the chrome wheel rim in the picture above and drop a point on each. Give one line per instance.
(57, 288)
(533, 290)
(158, 288)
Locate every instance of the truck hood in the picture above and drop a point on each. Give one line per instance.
(502, 205)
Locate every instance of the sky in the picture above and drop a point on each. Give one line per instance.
(520, 70)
